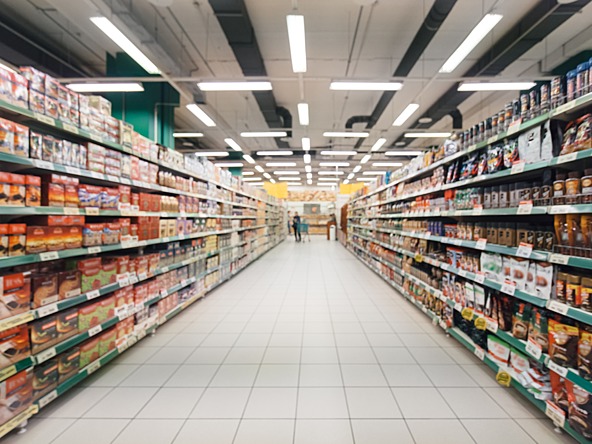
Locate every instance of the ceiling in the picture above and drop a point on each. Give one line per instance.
(345, 39)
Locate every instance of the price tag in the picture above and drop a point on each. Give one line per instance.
(445, 267)
(556, 414)
(45, 355)
(458, 307)
(96, 175)
(491, 140)
(93, 367)
(94, 250)
(95, 330)
(442, 325)
(560, 370)
(51, 396)
(92, 294)
(525, 207)
(503, 378)
(561, 209)
(48, 256)
(508, 288)
(492, 324)
(479, 277)
(517, 168)
(558, 307)
(479, 352)
(164, 293)
(73, 170)
(462, 273)
(69, 127)
(71, 211)
(559, 259)
(125, 181)
(92, 211)
(121, 311)
(112, 178)
(164, 214)
(567, 158)
(47, 310)
(45, 119)
(424, 309)
(524, 250)
(133, 279)
(457, 242)
(142, 276)
(481, 323)
(7, 372)
(477, 210)
(165, 269)
(467, 313)
(123, 280)
(534, 349)
(43, 164)
(165, 239)
(514, 127)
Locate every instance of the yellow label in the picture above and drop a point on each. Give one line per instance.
(503, 378)
(418, 257)
(467, 313)
(480, 324)
(7, 372)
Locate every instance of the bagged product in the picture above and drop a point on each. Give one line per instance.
(518, 362)
(585, 355)
(580, 409)
(498, 350)
(559, 391)
(520, 320)
(538, 328)
(563, 343)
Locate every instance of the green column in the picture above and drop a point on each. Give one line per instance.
(152, 112)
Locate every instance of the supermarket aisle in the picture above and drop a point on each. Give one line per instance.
(305, 346)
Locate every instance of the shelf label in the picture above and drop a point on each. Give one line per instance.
(503, 378)
(7, 372)
(123, 280)
(492, 324)
(73, 170)
(491, 140)
(94, 250)
(165, 239)
(479, 352)
(524, 250)
(558, 258)
(556, 414)
(164, 293)
(93, 367)
(142, 276)
(561, 209)
(567, 158)
(458, 307)
(534, 349)
(457, 242)
(462, 273)
(51, 396)
(508, 288)
(467, 313)
(442, 325)
(95, 330)
(97, 175)
(43, 164)
(93, 294)
(45, 119)
(513, 127)
(48, 256)
(481, 323)
(133, 279)
(47, 310)
(125, 181)
(517, 168)
(477, 210)
(525, 207)
(558, 307)
(112, 178)
(164, 214)
(92, 211)
(71, 211)
(69, 127)
(45, 355)
(479, 277)
(560, 370)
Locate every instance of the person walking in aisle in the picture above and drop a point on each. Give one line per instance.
(296, 226)
(289, 223)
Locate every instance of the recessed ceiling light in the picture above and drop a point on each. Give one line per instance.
(264, 134)
(106, 87)
(234, 86)
(373, 173)
(403, 153)
(248, 173)
(286, 173)
(309, 175)
(338, 153)
(308, 168)
(334, 164)
(211, 153)
(306, 143)
(405, 114)
(290, 179)
(378, 144)
(329, 179)
(365, 86)
(387, 164)
(272, 180)
(356, 169)
(309, 182)
(259, 168)
(428, 135)
(179, 135)
(303, 117)
(425, 119)
(400, 143)
(496, 86)
(366, 179)
(201, 115)
(365, 159)
(306, 158)
(345, 134)
(275, 153)
(267, 175)
(297, 40)
(229, 164)
(346, 181)
(350, 176)
(232, 144)
(330, 173)
(252, 179)
(281, 164)
(248, 158)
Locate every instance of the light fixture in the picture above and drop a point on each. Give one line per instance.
(478, 33)
(306, 143)
(309, 182)
(309, 175)
(232, 144)
(378, 144)
(229, 164)
(259, 168)
(330, 173)
(248, 158)
(211, 153)
(267, 175)
(346, 181)
(286, 173)
(308, 168)
(495, 86)
(403, 153)
(201, 115)
(274, 153)
(106, 87)
(252, 179)
(306, 158)
(387, 164)
(425, 119)
(345, 134)
(234, 86)
(373, 173)
(332, 185)
(329, 179)
(248, 173)
(290, 179)
(334, 164)
(365, 86)
(428, 135)
(366, 179)
(297, 39)
(303, 114)
(111, 31)
(356, 169)
(365, 159)
(178, 135)
(264, 134)
(272, 180)
(350, 176)
(405, 114)
(338, 153)
(281, 164)
(400, 143)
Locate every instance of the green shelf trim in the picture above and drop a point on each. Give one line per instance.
(13, 369)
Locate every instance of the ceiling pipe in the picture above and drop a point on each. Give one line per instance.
(457, 119)
(356, 119)
(286, 117)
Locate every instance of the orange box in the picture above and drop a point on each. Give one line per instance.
(44, 333)
(67, 323)
(15, 294)
(14, 345)
(36, 239)
(55, 238)
(70, 284)
(17, 392)
(16, 193)
(45, 289)
(17, 239)
(107, 341)
(53, 194)
(71, 198)
(72, 237)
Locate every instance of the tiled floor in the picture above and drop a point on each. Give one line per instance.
(305, 346)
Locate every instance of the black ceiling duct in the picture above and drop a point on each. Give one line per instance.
(457, 119)
(356, 119)
(286, 117)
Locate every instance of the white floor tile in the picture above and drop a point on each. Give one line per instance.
(323, 432)
(149, 375)
(421, 403)
(245, 355)
(235, 375)
(208, 355)
(218, 431)
(472, 403)
(253, 340)
(363, 375)
(75, 402)
(282, 355)
(371, 402)
(394, 355)
(171, 403)
(431, 355)
(373, 431)
(320, 375)
(322, 403)
(121, 402)
(356, 355)
(406, 375)
(318, 340)
(92, 431)
(39, 431)
(495, 431)
(222, 403)
(170, 355)
(319, 355)
(442, 431)
(152, 431)
(189, 375)
(271, 403)
(448, 376)
(543, 431)
(265, 431)
(278, 375)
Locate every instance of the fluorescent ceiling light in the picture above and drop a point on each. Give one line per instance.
(267, 175)
(334, 164)
(211, 153)
(350, 176)
(478, 33)
(373, 173)
(308, 168)
(305, 143)
(297, 39)
(252, 179)
(259, 168)
(248, 158)
(338, 153)
(309, 175)
(330, 173)
(229, 164)
(232, 144)
(303, 114)
(496, 86)
(345, 134)
(280, 164)
(290, 179)
(430, 135)
(378, 144)
(366, 179)
(124, 43)
(201, 115)
(272, 180)
(345, 182)
(274, 153)
(365, 86)
(309, 182)
(264, 134)
(286, 173)
(387, 164)
(234, 86)
(356, 169)
(332, 185)
(405, 114)
(306, 158)
(403, 153)
(177, 135)
(248, 173)
(329, 179)
(106, 87)
(365, 159)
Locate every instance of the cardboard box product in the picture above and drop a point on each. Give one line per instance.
(111, 233)
(33, 191)
(89, 351)
(16, 190)
(107, 341)
(45, 378)
(108, 271)
(106, 308)
(44, 333)
(110, 198)
(45, 289)
(89, 316)
(14, 345)
(68, 364)
(90, 270)
(67, 323)
(92, 234)
(72, 237)
(16, 394)
(89, 196)
(17, 239)
(15, 294)
(69, 284)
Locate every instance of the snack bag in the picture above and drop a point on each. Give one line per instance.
(563, 343)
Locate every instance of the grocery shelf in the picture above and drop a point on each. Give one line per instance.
(19, 419)
(69, 211)
(13, 369)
